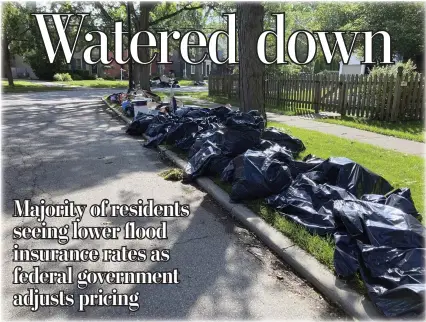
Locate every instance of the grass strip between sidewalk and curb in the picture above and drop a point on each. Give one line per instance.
(320, 248)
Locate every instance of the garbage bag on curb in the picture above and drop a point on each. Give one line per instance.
(255, 175)
(399, 198)
(198, 164)
(395, 279)
(348, 174)
(390, 253)
(246, 119)
(309, 204)
(140, 124)
(159, 124)
(230, 140)
(178, 131)
(293, 144)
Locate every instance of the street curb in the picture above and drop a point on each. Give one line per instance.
(333, 288)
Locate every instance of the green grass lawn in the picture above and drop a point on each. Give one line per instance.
(115, 83)
(25, 87)
(410, 130)
(99, 83)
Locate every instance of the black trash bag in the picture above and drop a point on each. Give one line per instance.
(348, 174)
(255, 175)
(140, 124)
(307, 164)
(395, 279)
(179, 131)
(265, 144)
(231, 141)
(345, 255)
(198, 164)
(154, 141)
(202, 137)
(221, 112)
(198, 113)
(398, 198)
(130, 111)
(217, 165)
(309, 204)
(280, 153)
(186, 143)
(379, 225)
(246, 119)
(182, 111)
(293, 144)
(159, 125)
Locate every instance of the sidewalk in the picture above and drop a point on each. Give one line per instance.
(383, 141)
(305, 122)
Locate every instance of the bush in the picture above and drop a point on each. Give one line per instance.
(99, 78)
(92, 77)
(110, 78)
(62, 77)
(409, 68)
(76, 77)
(58, 77)
(66, 77)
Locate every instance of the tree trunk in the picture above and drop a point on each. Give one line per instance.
(6, 61)
(198, 68)
(143, 52)
(252, 71)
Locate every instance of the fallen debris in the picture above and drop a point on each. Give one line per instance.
(174, 174)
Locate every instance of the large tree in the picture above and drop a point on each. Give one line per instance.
(15, 19)
(252, 70)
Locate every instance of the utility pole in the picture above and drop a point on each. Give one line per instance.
(128, 46)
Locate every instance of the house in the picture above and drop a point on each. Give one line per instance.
(20, 69)
(78, 63)
(354, 66)
(180, 67)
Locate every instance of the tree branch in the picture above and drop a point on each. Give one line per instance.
(103, 11)
(171, 15)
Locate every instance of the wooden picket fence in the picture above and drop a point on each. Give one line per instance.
(387, 98)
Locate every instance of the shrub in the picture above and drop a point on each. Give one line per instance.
(110, 78)
(92, 77)
(62, 77)
(99, 78)
(66, 77)
(409, 68)
(76, 77)
(58, 77)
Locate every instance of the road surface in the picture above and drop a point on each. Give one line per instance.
(64, 145)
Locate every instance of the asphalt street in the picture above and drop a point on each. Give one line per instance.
(65, 145)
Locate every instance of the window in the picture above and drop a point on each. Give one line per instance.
(192, 69)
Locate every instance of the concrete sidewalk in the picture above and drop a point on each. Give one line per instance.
(383, 141)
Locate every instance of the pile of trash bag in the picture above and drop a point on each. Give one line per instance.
(376, 228)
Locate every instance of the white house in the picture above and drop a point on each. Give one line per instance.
(354, 66)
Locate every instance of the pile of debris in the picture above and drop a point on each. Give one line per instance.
(376, 228)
